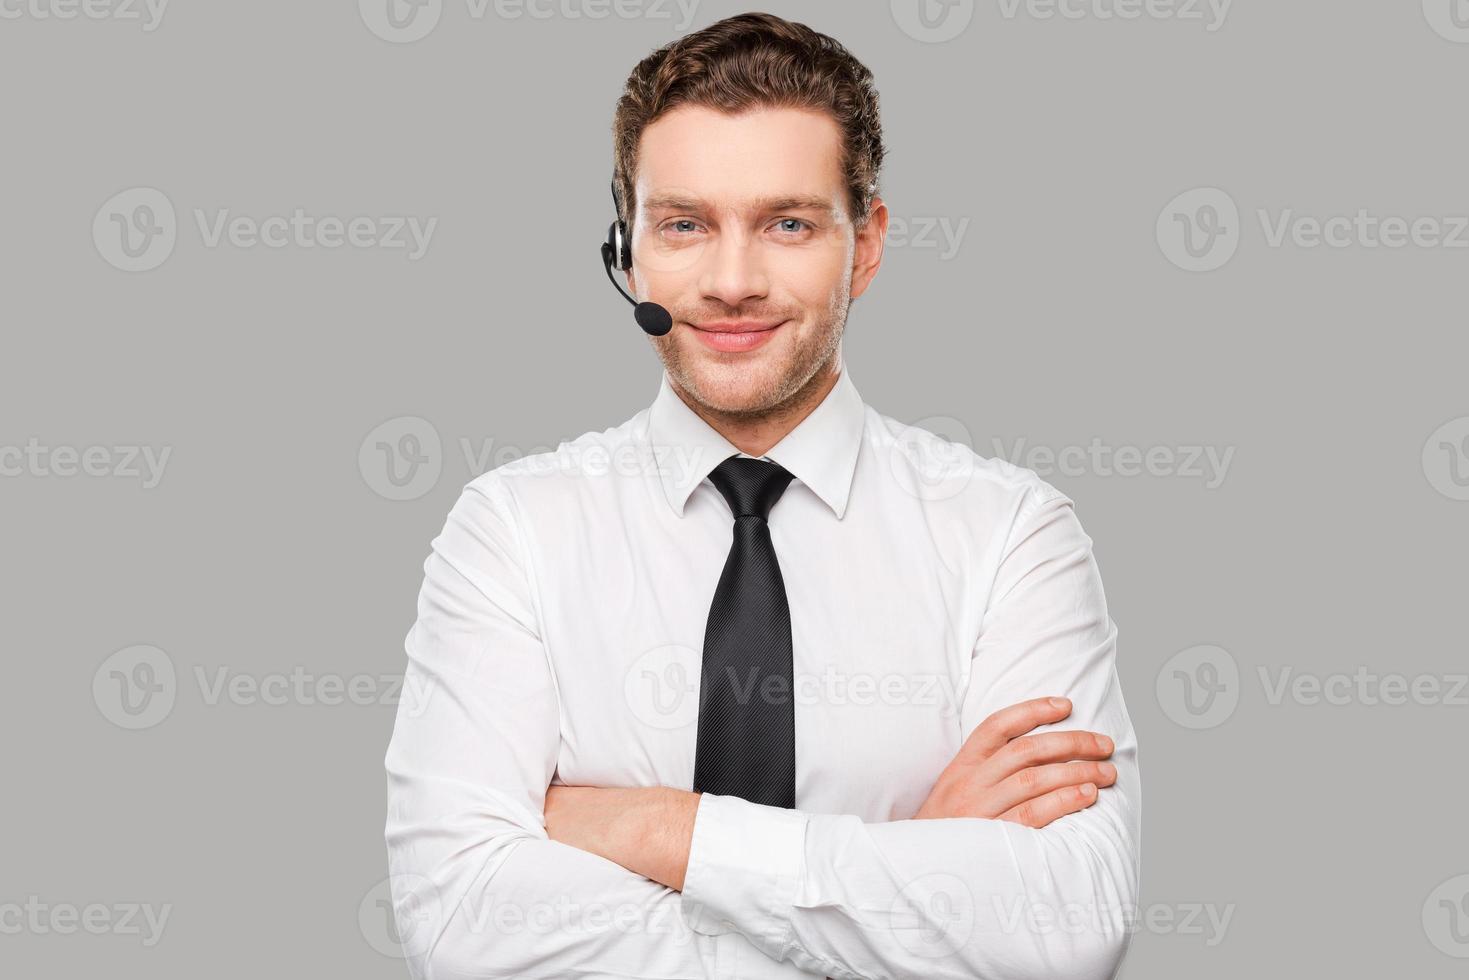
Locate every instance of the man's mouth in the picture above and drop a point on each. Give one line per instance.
(737, 326)
(735, 336)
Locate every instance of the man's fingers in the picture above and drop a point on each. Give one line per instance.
(1042, 810)
(1029, 751)
(994, 732)
(1030, 784)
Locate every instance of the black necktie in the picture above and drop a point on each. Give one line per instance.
(747, 719)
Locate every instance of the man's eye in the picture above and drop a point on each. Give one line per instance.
(796, 221)
(673, 225)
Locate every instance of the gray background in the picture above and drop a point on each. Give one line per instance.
(1327, 832)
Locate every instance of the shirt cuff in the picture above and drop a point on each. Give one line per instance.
(745, 864)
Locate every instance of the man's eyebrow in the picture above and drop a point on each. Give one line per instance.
(675, 202)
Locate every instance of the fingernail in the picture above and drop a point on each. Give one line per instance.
(1059, 702)
(1087, 789)
(1104, 743)
(1108, 769)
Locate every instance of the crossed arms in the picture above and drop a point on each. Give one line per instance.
(1007, 871)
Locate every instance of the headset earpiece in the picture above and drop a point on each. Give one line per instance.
(617, 235)
(654, 319)
(620, 247)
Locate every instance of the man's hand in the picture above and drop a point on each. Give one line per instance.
(647, 830)
(1002, 773)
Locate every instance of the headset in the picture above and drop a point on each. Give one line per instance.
(654, 319)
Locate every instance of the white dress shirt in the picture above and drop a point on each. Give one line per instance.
(558, 640)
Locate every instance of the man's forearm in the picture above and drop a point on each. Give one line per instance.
(645, 829)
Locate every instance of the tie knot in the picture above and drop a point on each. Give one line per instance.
(751, 486)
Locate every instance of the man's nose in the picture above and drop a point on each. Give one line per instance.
(734, 269)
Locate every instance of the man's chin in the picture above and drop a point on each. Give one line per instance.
(735, 387)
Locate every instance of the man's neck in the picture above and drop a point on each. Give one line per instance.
(754, 435)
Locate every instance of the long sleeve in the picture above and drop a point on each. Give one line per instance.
(958, 898)
(478, 888)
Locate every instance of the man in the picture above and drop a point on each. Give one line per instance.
(744, 687)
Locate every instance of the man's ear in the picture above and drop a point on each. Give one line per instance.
(867, 256)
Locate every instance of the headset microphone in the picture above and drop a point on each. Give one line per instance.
(654, 319)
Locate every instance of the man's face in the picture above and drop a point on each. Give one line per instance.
(743, 232)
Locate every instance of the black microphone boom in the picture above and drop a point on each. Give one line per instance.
(654, 319)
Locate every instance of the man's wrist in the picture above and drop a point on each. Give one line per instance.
(648, 829)
(654, 833)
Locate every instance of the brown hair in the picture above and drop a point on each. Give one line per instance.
(748, 61)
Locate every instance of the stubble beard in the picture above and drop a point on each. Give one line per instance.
(796, 381)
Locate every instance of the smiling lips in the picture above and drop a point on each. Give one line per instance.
(733, 336)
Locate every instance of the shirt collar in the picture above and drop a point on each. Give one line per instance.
(821, 451)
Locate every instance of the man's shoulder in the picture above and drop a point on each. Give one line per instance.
(934, 458)
(576, 465)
